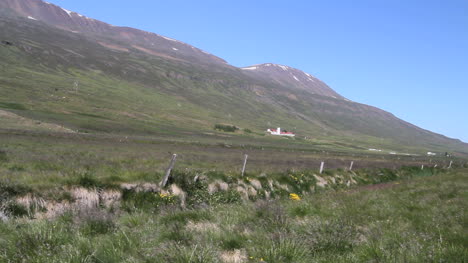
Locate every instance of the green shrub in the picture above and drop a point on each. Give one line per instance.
(63, 196)
(233, 241)
(225, 197)
(3, 156)
(145, 201)
(15, 209)
(225, 128)
(299, 181)
(197, 191)
(87, 180)
(301, 210)
(218, 175)
(386, 175)
(8, 190)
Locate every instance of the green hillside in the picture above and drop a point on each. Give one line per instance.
(87, 83)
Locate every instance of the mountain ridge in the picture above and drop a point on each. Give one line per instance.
(75, 22)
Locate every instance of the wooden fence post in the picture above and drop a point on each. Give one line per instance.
(321, 167)
(168, 171)
(422, 167)
(351, 165)
(245, 163)
(450, 165)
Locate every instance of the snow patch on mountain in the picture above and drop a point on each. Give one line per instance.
(67, 11)
(168, 38)
(32, 18)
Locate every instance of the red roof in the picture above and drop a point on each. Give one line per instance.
(274, 130)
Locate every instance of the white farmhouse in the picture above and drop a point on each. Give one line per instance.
(280, 133)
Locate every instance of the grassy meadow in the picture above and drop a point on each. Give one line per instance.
(400, 216)
(74, 197)
(46, 160)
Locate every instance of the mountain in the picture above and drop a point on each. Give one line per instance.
(144, 41)
(62, 68)
(291, 78)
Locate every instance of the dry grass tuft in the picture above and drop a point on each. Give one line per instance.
(177, 191)
(256, 184)
(234, 256)
(202, 226)
(54, 210)
(320, 181)
(111, 198)
(85, 198)
(216, 186)
(243, 193)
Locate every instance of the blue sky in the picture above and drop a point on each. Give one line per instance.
(409, 57)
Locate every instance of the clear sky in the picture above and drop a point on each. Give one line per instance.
(409, 57)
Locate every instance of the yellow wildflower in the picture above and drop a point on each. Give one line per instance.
(294, 197)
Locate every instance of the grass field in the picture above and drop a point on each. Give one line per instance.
(48, 159)
(413, 219)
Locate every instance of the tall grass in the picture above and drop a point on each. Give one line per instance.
(412, 220)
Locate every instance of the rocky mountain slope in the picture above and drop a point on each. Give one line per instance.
(61, 67)
(150, 43)
(291, 78)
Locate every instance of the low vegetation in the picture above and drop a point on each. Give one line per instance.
(404, 215)
(225, 128)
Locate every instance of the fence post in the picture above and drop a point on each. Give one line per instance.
(245, 163)
(422, 167)
(450, 165)
(168, 171)
(321, 167)
(351, 165)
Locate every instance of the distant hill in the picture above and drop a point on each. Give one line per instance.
(63, 68)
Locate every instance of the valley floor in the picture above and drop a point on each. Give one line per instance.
(50, 159)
